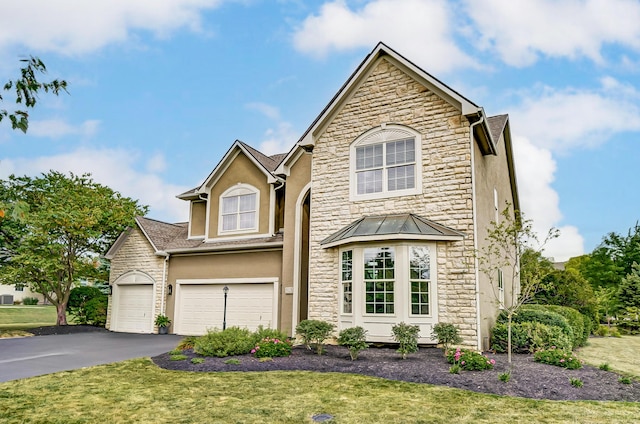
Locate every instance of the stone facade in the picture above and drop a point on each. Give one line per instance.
(390, 96)
(136, 254)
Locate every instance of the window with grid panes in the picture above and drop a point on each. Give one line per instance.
(386, 167)
(346, 278)
(419, 279)
(239, 210)
(379, 280)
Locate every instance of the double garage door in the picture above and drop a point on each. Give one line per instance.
(200, 307)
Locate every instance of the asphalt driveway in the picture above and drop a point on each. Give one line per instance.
(32, 356)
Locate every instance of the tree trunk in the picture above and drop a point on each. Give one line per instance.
(61, 309)
(509, 339)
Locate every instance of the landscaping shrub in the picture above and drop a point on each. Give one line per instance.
(187, 343)
(314, 333)
(576, 382)
(268, 333)
(536, 313)
(606, 331)
(88, 305)
(30, 301)
(229, 342)
(574, 318)
(446, 334)
(407, 337)
(558, 358)
(272, 348)
(470, 360)
(354, 339)
(527, 337)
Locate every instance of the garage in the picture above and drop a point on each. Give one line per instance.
(133, 304)
(200, 305)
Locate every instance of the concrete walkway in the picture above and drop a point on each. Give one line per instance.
(32, 356)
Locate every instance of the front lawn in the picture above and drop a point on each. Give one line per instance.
(17, 317)
(138, 391)
(621, 353)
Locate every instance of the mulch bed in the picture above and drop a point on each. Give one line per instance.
(64, 329)
(529, 379)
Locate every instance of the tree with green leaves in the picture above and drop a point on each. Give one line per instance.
(55, 231)
(568, 288)
(26, 90)
(629, 289)
(511, 244)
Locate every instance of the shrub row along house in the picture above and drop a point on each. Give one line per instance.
(373, 218)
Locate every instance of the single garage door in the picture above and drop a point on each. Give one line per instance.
(133, 308)
(200, 307)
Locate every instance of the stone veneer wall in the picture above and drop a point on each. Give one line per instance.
(136, 254)
(391, 96)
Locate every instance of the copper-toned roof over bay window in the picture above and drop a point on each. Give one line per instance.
(391, 227)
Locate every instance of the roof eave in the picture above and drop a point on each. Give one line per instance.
(227, 248)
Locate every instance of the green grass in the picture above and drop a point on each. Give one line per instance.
(25, 317)
(620, 353)
(138, 391)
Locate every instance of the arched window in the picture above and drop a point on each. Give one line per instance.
(386, 162)
(239, 209)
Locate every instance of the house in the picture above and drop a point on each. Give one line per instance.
(17, 293)
(372, 218)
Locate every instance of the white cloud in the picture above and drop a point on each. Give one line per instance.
(560, 120)
(156, 163)
(522, 31)
(114, 168)
(56, 128)
(75, 26)
(422, 30)
(535, 168)
(279, 139)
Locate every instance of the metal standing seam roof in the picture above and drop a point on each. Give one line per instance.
(386, 227)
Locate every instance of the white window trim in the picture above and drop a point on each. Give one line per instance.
(501, 289)
(383, 134)
(402, 284)
(342, 284)
(228, 193)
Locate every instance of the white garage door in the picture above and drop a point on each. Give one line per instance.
(200, 307)
(133, 308)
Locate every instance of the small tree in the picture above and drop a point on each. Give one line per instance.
(407, 337)
(446, 334)
(506, 243)
(629, 289)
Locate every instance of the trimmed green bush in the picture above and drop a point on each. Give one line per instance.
(272, 348)
(527, 337)
(229, 342)
(446, 334)
(575, 319)
(30, 301)
(536, 313)
(314, 333)
(558, 358)
(407, 337)
(470, 360)
(268, 333)
(354, 339)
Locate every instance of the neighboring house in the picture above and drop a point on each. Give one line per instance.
(373, 218)
(18, 292)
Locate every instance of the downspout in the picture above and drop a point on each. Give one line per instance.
(164, 280)
(475, 228)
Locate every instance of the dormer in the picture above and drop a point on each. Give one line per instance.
(239, 199)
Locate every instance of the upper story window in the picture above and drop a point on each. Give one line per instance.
(385, 162)
(239, 209)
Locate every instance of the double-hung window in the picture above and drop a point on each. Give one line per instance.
(239, 210)
(379, 280)
(386, 163)
(420, 280)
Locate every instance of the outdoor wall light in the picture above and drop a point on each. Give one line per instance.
(110, 290)
(170, 290)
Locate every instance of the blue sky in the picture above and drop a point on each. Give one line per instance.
(160, 90)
